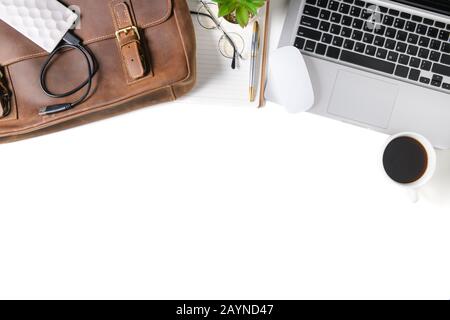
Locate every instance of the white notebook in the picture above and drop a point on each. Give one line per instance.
(217, 82)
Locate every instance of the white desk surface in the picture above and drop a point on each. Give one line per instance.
(182, 201)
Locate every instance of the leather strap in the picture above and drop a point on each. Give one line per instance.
(128, 37)
(5, 103)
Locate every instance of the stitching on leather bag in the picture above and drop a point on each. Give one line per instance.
(169, 12)
(189, 74)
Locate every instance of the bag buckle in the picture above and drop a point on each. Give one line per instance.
(126, 30)
(5, 98)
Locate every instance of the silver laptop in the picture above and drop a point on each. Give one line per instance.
(384, 65)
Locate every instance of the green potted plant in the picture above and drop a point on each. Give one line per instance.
(239, 11)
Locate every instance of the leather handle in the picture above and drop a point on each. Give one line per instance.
(128, 37)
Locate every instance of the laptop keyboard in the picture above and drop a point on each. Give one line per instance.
(392, 42)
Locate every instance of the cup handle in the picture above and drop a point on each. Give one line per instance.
(413, 195)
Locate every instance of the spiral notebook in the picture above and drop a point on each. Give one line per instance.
(217, 82)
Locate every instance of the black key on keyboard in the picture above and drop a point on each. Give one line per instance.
(444, 35)
(359, 3)
(299, 43)
(383, 9)
(368, 26)
(435, 44)
(393, 12)
(370, 50)
(424, 53)
(333, 5)
(310, 46)
(402, 35)
(416, 18)
(390, 44)
(321, 49)
(428, 21)
(401, 47)
(432, 32)
(445, 47)
(379, 41)
(405, 15)
(335, 29)
(324, 14)
(309, 22)
(368, 38)
(309, 33)
(413, 38)
(390, 32)
(435, 56)
(445, 59)
(381, 53)
(347, 21)
(311, 11)
(441, 69)
(365, 14)
(367, 62)
(425, 80)
(327, 38)
(439, 25)
(392, 56)
(358, 24)
(336, 17)
(360, 47)
(346, 32)
(338, 41)
(401, 71)
(344, 8)
(333, 52)
(388, 21)
(322, 3)
(357, 35)
(414, 74)
(403, 59)
(410, 26)
(412, 50)
(312, 2)
(355, 12)
(425, 65)
(422, 29)
(437, 79)
(379, 29)
(324, 26)
(446, 86)
(414, 62)
(424, 42)
(349, 44)
(399, 23)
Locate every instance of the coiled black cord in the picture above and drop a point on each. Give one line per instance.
(71, 42)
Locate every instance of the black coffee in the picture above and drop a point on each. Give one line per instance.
(405, 160)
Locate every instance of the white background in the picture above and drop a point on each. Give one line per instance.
(180, 201)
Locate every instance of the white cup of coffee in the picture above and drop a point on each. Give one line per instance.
(409, 160)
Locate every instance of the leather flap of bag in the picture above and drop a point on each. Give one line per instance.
(96, 25)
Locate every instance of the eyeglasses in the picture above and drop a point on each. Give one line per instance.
(231, 45)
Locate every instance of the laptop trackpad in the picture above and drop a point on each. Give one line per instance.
(363, 99)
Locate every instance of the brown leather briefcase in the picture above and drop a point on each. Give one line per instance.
(146, 55)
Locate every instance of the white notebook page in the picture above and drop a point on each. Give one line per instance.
(217, 82)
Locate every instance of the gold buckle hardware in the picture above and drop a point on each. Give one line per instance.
(126, 30)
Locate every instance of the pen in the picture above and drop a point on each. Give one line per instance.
(254, 59)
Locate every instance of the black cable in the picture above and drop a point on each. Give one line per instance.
(71, 42)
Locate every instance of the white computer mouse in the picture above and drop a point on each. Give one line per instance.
(288, 83)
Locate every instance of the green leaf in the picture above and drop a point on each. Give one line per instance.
(242, 16)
